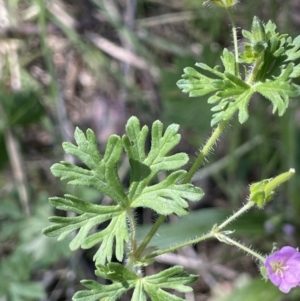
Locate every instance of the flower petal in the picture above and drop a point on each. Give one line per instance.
(283, 268)
(285, 287)
(275, 279)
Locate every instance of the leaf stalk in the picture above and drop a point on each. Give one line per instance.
(205, 151)
(149, 236)
(235, 41)
(225, 238)
(132, 229)
(179, 246)
(231, 218)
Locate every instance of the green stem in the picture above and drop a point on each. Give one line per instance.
(205, 151)
(179, 246)
(230, 241)
(235, 41)
(246, 207)
(132, 229)
(219, 236)
(149, 236)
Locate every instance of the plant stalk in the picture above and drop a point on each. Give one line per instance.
(235, 42)
(245, 208)
(179, 246)
(230, 241)
(205, 151)
(149, 236)
(132, 229)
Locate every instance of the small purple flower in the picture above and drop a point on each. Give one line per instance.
(283, 268)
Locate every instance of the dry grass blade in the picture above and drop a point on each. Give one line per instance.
(9, 50)
(120, 53)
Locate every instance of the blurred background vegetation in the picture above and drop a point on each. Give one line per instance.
(93, 64)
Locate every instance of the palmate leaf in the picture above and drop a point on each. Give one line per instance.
(293, 54)
(90, 216)
(195, 83)
(117, 232)
(273, 65)
(198, 84)
(279, 91)
(227, 107)
(172, 278)
(230, 92)
(97, 291)
(277, 52)
(102, 173)
(124, 280)
(168, 196)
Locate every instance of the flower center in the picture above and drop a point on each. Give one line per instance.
(278, 268)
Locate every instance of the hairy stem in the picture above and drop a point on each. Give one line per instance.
(149, 236)
(205, 151)
(213, 233)
(245, 208)
(230, 241)
(179, 246)
(235, 42)
(132, 229)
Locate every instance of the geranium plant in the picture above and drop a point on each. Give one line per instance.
(267, 66)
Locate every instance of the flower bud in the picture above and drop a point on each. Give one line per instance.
(263, 191)
(258, 30)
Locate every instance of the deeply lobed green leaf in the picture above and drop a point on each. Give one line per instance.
(273, 65)
(102, 173)
(89, 217)
(167, 197)
(124, 280)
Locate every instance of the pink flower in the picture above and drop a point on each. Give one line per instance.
(283, 268)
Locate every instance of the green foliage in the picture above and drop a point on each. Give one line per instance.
(15, 284)
(27, 231)
(101, 173)
(272, 58)
(21, 108)
(225, 87)
(166, 197)
(44, 250)
(89, 216)
(124, 280)
(10, 217)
